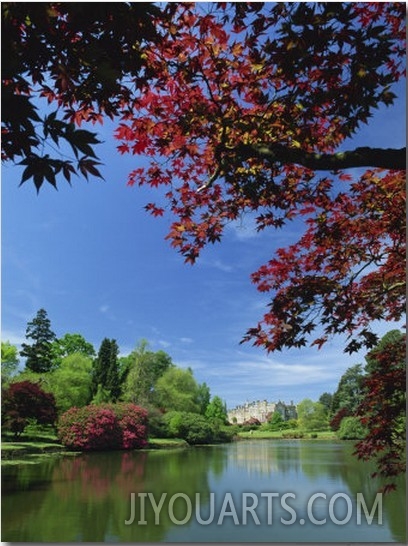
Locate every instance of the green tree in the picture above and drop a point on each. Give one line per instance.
(71, 382)
(276, 421)
(349, 391)
(351, 429)
(39, 356)
(9, 361)
(105, 371)
(177, 390)
(70, 344)
(311, 415)
(203, 397)
(326, 399)
(390, 338)
(141, 369)
(191, 426)
(217, 410)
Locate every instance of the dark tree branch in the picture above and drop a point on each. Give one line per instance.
(360, 157)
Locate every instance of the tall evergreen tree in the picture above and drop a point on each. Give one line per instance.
(106, 369)
(39, 355)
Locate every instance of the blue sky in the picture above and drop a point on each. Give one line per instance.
(100, 266)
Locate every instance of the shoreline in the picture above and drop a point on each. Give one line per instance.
(25, 452)
(30, 452)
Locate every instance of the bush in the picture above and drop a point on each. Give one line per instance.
(225, 434)
(351, 429)
(25, 402)
(110, 426)
(293, 435)
(192, 427)
(132, 422)
(157, 426)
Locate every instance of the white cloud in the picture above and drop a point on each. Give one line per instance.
(217, 264)
(186, 340)
(104, 308)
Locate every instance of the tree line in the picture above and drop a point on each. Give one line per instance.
(76, 375)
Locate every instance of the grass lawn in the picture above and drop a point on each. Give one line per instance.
(266, 434)
(165, 443)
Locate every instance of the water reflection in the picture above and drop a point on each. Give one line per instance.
(87, 497)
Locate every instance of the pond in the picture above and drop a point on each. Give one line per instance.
(247, 491)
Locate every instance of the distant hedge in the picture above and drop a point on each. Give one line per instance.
(107, 426)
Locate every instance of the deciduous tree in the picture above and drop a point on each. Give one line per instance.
(9, 361)
(311, 415)
(81, 58)
(349, 391)
(143, 368)
(217, 410)
(71, 382)
(70, 344)
(383, 408)
(24, 401)
(243, 116)
(326, 399)
(238, 109)
(178, 390)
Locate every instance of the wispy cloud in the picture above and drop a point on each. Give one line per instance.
(243, 228)
(216, 264)
(104, 309)
(239, 376)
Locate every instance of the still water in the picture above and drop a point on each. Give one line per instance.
(248, 491)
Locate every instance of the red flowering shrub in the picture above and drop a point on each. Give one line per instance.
(23, 401)
(109, 426)
(132, 422)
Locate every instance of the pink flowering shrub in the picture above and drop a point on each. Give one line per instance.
(109, 426)
(132, 421)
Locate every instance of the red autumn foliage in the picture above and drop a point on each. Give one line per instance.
(24, 401)
(238, 106)
(243, 113)
(383, 412)
(109, 426)
(337, 419)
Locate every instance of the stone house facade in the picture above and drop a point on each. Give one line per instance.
(261, 410)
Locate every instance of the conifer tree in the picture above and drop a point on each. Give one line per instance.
(106, 369)
(39, 355)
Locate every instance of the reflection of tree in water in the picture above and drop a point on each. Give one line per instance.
(20, 483)
(337, 461)
(88, 497)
